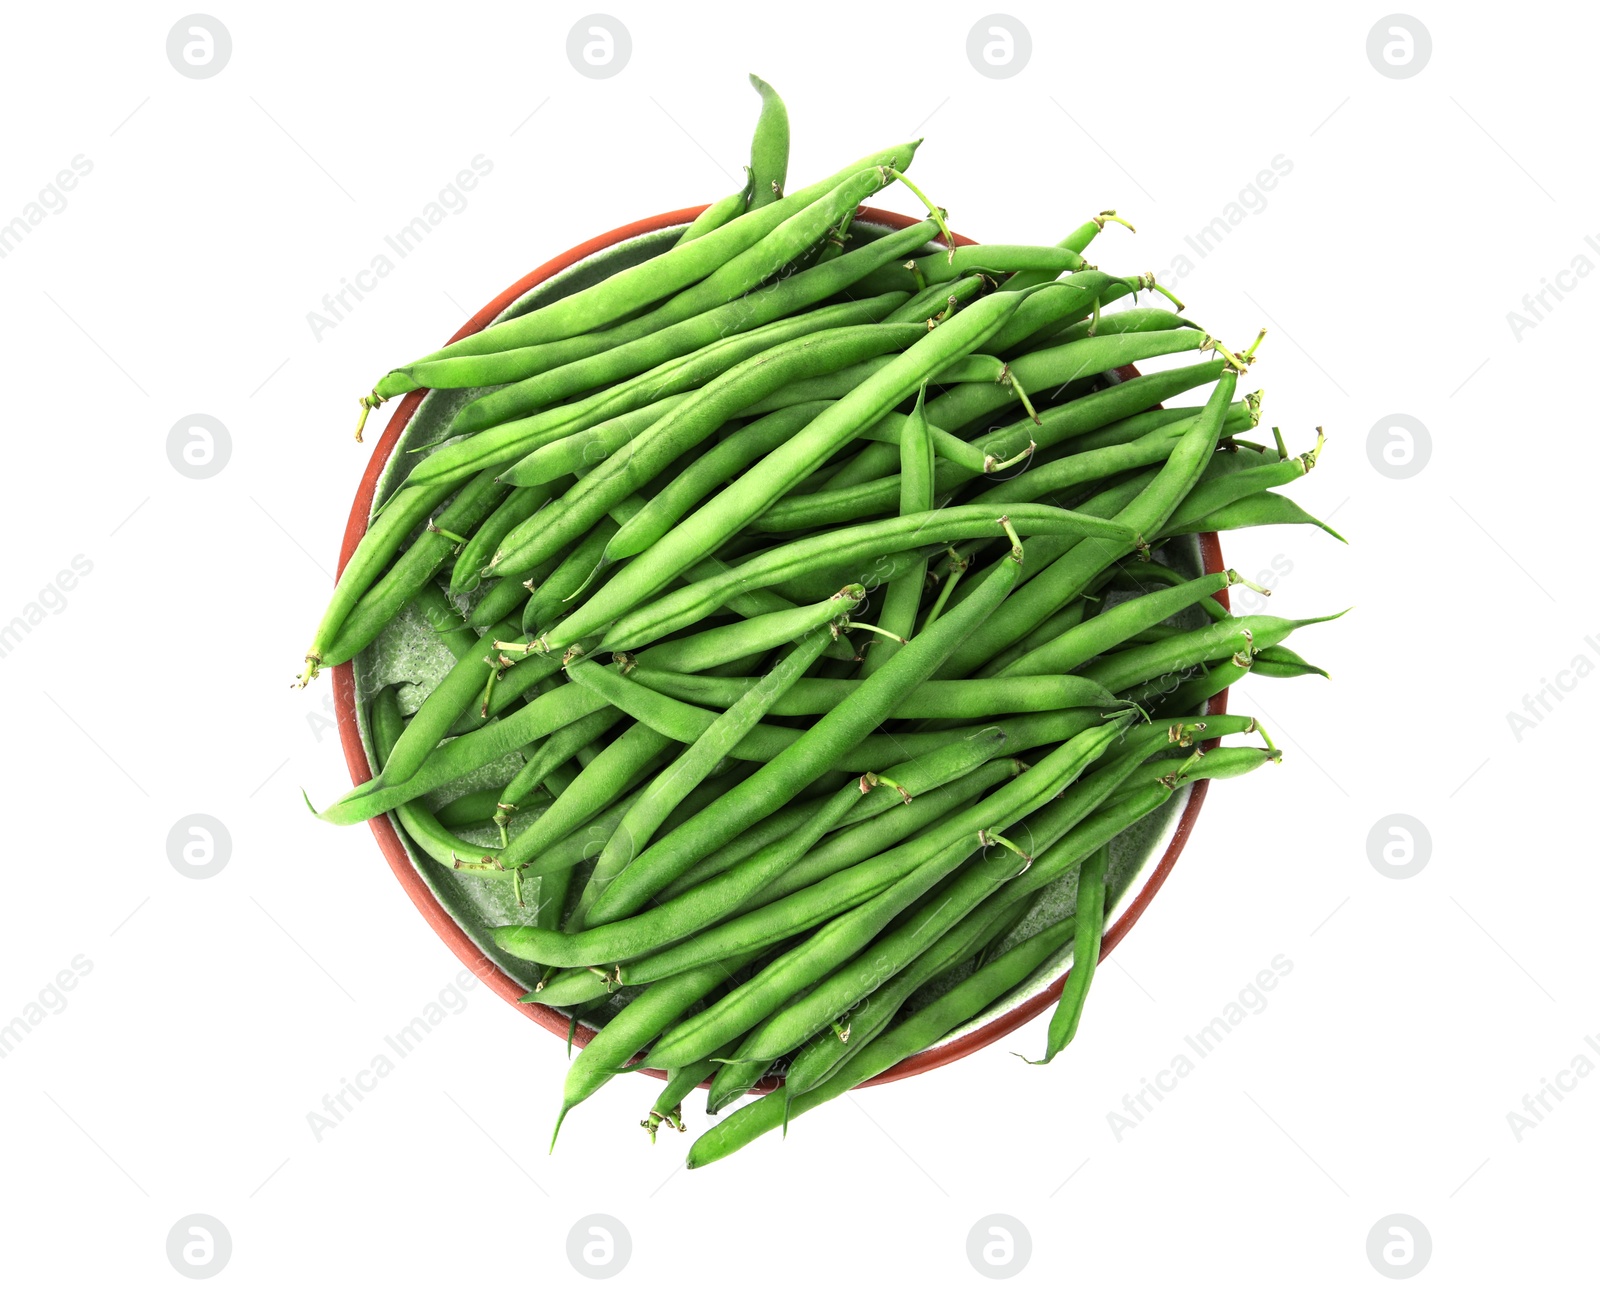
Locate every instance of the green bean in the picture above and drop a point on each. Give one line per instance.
(961, 1003)
(732, 1081)
(668, 1106)
(570, 578)
(903, 595)
(1088, 640)
(775, 827)
(1224, 489)
(1051, 629)
(369, 602)
(1054, 369)
(1079, 469)
(1142, 424)
(454, 759)
(732, 456)
(843, 982)
(969, 699)
(968, 997)
(849, 844)
(693, 766)
(1141, 576)
(725, 513)
(720, 310)
(517, 507)
(609, 1052)
(939, 298)
(683, 607)
(937, 851)
(870, 1016)
(674, 719)
(1265, 508)
(1227, 638)
(1064, 422)
(475, 809)
(1279, 662)
(675, 920)
(891, 427)
(1090, 926)
(625, 763)
(541, 762)
(420, 824)
(835, 505)
(1135, 319)
(463, 683)
(521, 679)
(1063, 300)
(630, 465)
(633, 930)
(1077, 241)
(621, 294)
(945, 776)
(830, 386)
(503, 445)
(403, 512)
(769, 147)
(697, 653)
(1069, 576)
(942, 267)
(845, 931)
(716, 215)
(444, 619)
(830, 738)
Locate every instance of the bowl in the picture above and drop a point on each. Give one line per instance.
(461, 907)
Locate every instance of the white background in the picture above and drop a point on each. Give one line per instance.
(218, 212)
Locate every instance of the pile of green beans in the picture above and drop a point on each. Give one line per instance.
(811, 627)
